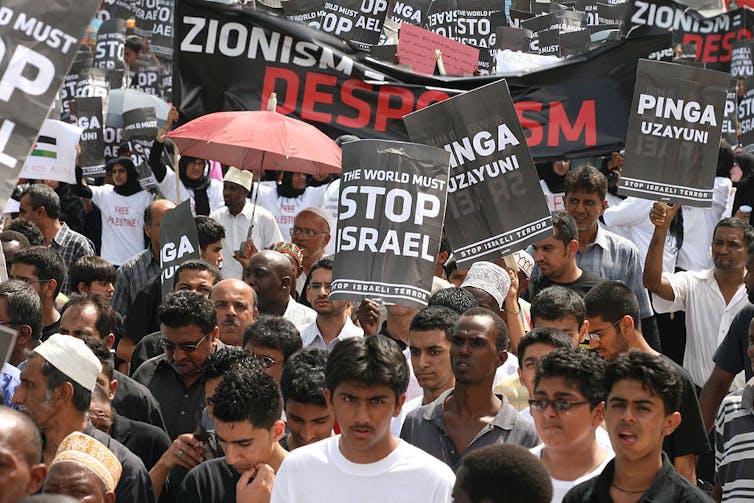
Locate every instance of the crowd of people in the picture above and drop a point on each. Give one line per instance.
(559, 381)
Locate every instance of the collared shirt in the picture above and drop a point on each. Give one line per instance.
(71, 245)
(699, 226)
(311, 336)
(667, 486)
(135, 274)
(734, 456)
(732, 355)
(425, 428)
(707, 317)
(264, 233)
(616, 259)
(299, 314)
(181, 406)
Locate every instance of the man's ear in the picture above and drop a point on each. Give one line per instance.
(82, 288)
(278, 430)
(23, 335)
(502, 356)
(671, 422)
(50, 286)
(572, 248)
(328, 400)
(109, 340)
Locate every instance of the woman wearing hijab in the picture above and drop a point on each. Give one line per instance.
(288, 198)
(206, 193)
(122, 206)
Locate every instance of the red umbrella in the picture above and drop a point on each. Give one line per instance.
(254, 140)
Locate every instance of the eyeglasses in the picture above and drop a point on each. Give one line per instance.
(596, 336)
(309, 233)
(315, 287)
(186, 348)
(264, 360)
(557, 405)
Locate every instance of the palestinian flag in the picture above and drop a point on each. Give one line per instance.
(46, 146)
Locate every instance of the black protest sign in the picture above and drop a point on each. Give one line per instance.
(117, 9)
(539, 8)
(611, 13)
(166, 81)
(517, 17)
(441, 17)
(714, 36)
(140, 156)
(521, 5)
(68, 90)
(538, 24)
(179, 242)
(305, 11)
(746, 113)
(140, 123)
(566, 21)
(596, 28)
(92, 142)
(495, 202)
(515, 39)
(674, 133)
(741, 65)
(146, 75)
(390, 217)
(358, 21)
(38, 41)
(574, 42)
(549, 43)
(110, 45)
(406, 11)
(589, 7)
(161, 40)
(92, 82)
(730, 122)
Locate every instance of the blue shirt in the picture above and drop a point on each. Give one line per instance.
(10, 378)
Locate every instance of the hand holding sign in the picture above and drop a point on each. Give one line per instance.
(661, 214)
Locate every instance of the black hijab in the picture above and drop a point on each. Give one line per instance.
(132, 185)
(199, 186)
(285, 187)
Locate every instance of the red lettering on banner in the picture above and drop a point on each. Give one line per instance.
(715, 47)
(350, 100)
(585, 123)
(385, 111)
(429, 97)
(312, 97)
(272, 74)
(534, 127)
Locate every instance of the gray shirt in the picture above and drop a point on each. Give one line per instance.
(424, 427)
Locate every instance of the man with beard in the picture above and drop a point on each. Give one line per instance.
(732, 356)
(711, 298)
(236, 307)
(333, 323)
(188, 324)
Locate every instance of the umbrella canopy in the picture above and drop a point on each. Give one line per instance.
(254, 140)
(123, 100)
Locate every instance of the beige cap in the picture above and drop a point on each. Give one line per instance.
(240, 177)
(92, 454)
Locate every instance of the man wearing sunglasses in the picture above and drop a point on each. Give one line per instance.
(612, 311)
(190, 334)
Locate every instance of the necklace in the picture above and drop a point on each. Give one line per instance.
(626, 490)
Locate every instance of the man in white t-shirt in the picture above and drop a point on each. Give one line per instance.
(365, 385)
(238, 217)
(568, 406)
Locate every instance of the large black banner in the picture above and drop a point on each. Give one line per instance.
(233, 59)
(495, 202)
(390, 217)
(674, 133)
(713, 36)
(38, 41)
(179, 242)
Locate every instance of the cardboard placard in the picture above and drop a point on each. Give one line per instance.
(495, 202)
(416, 47)
(730, 120)
(746, 113)
(89, 119)
(390, 218)
(674, 133)
(358, 21)
(53, 156)
(179, 242)
(140, 123)
(741, 65)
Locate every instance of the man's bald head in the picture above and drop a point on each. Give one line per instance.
(270, 274)
(19, 429)
(21, 453)
(236, 307)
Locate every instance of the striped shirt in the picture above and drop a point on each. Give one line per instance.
(135, 274)
(71, 245)
(734, 445)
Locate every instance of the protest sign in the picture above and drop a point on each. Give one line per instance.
(161, 39)
(574, 42)
(515, 39)
(549, 43)
(714, 36)
(305, 11)
(92, 82)
(730, 119)
(567, 21)
(53, 156)
(7, 337)
(110, 47)
(89, 119)
(611, 13)
(39, 41)
(145, 75)
(576, 108)
(408, 11)
(746, 113)
(416, 48)
(358, 21)
(179, 242)
(588, 7)
(117, 9)
(140, 123)
(674, 133)
(67, 93)
(495, 203)
(517, 17)
(741, 65)
(390, 219)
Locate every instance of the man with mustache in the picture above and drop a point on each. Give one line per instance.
(236, 307)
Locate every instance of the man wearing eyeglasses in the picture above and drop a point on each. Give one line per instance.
(612, 311)
(44, 270)
(311, 233)
(333, 323)
(188, 324)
